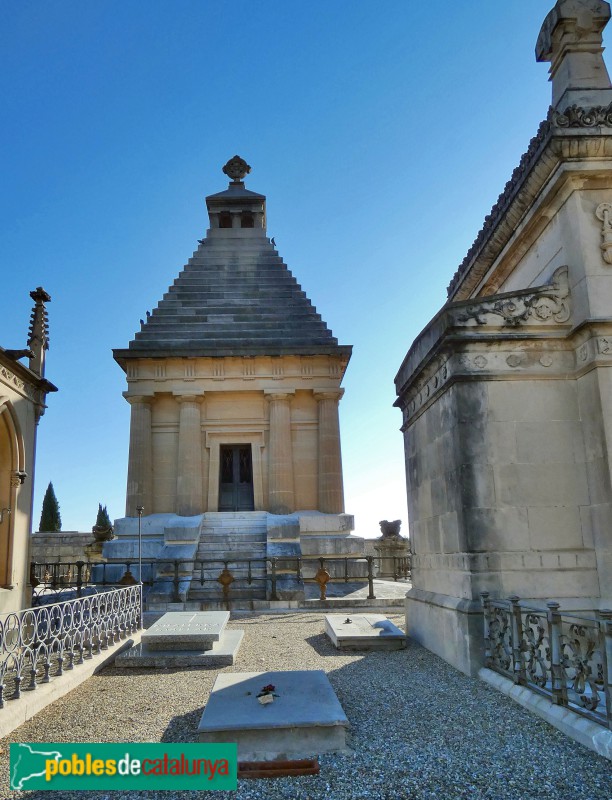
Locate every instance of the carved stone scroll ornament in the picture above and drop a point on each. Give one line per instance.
(580, 117)
(236, 169)
(603, 212)
(544, 304)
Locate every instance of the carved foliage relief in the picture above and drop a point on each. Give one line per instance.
(544, 304)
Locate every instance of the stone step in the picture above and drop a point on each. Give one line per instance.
(249, 295)
(219, 543)
(187, 326)
(198, 312)
(240, 579)
(235, 559)
(236, 593)
(243, 272)
(227, 346)
(235, 529)
(202, 299)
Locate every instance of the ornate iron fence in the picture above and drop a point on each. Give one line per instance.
(76, 578)
(563, 656)
(40, 643)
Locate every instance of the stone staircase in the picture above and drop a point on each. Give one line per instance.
(233, 537)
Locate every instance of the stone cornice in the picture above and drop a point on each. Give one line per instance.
(569, 355)
(528, 313)
(24, 381)
(576, 133)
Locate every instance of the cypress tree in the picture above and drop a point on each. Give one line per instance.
(102, 520)
(50, 519)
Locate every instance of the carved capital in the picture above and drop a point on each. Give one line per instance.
(189, 398)
(272, 395)
(134, 399)
(328, 394)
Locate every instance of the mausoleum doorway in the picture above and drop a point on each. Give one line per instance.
(236, 478)
(8, 465)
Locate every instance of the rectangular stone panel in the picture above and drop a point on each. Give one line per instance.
(222, 654)
(186, 630)
(305, 718)
(364, 632)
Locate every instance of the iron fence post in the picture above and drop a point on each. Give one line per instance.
(517, 640)
(371, 595)
(273, 595)
(486, 609)
(559, 689)
(176, 598)
(605, 628)
(79, 580)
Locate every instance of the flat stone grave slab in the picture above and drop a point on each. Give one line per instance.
(186, 630)
(305, 719)
(363, 632)
(222, 654)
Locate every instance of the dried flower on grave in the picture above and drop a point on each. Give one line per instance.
(269, 689)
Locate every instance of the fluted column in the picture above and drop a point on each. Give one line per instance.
(140, 461)
(280, 455)
(189, 466)
(331, 490)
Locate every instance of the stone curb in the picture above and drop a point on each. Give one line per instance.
(16, 712)
(578, 728)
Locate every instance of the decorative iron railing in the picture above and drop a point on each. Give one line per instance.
(40, 643)
(179, 575)
(564, 656)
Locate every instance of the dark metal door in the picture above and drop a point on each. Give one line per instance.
(236, 478)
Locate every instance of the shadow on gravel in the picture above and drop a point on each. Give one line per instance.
(183, 727)
(324, 647)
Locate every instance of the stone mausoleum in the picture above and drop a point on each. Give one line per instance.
(23, 394)
(507, 393)
(234, 382)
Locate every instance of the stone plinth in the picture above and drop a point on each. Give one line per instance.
(364, 632)
(185, 639)
(186, 630)
(221, 654)
(389, 551)
(305, 719)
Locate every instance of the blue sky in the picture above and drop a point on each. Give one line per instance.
(381, 133)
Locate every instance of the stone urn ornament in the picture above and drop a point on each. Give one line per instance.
(390, 530)
(103, 529)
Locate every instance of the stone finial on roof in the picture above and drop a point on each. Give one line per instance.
(571, 39)
(38, 339)
(236, 169)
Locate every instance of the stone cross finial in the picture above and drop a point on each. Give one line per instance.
(38, 340)
(236, 169)
(571, 39)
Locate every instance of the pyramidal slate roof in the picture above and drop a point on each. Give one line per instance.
(235, 296)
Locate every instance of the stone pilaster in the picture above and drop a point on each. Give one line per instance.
(331, 491)
(280, 455)
(189, 466)
(140, 461)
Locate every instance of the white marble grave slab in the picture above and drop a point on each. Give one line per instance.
(305, 719)
(186, 630)
(364, 632)
(222, 654)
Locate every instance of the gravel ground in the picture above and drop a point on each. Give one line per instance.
(419, 728)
